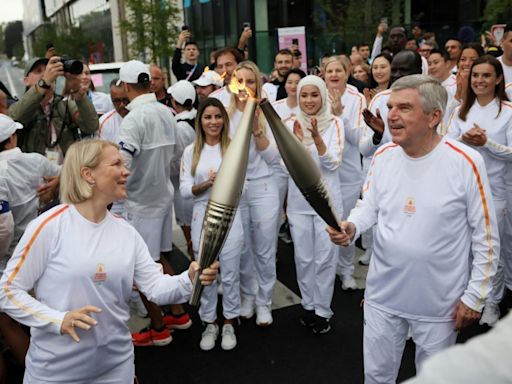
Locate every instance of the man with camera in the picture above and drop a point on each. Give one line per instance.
(190, 69)
(52, 122)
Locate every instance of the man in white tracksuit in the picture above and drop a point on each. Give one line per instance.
(430, 200)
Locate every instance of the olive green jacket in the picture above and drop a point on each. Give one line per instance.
(75, 118)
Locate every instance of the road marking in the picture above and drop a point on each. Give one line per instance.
(12, 88)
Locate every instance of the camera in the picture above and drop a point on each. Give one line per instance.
(73, 66)
(184, 28)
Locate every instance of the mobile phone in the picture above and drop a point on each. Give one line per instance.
(184, 28)
(247, 25)
(49, 45)
(295, 41)
(384, 20)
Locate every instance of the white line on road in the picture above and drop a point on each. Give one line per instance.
(12, 88)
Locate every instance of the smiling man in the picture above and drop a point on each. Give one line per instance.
(430, 200)
(283, 62)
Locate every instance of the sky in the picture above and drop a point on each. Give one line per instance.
(11, 10)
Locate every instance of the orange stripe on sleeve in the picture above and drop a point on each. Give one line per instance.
(490, 254)
(13, 275)
(104, 121)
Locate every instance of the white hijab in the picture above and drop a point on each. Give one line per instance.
(323, 116)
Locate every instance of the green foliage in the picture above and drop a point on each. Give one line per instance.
(497, 12)
(2, 41)
(13, 39)
(152, 30)
(70, 41)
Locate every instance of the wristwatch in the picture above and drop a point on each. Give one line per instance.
(42, 84)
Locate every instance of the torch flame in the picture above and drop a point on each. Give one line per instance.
(239, 88)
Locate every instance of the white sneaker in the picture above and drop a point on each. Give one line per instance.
(365, 259)
(348, 283)
(246, 308)
(228, 337)
(263, 316)
(490, 315)
(209, 337)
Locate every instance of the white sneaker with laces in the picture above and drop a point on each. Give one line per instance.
(490, 315)
(209, 337)
(263, 316)
(246, 308)
(365, 259)
(228, 337)
(348, 283)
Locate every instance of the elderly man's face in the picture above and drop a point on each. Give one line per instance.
(404, 63)
(410, 126)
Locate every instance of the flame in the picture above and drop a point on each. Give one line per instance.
(239, 88)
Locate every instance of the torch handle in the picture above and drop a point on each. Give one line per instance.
(197, 289)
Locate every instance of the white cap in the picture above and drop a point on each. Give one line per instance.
(209, 78)
(134, 72)
(7, 127)
(182, 91)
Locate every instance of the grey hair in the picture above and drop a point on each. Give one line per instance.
(432, 94)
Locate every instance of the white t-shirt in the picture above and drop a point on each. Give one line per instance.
(429, 213)
(499, 133)
(328, 163)
(148, 137)
(270, 91)
(507, 70)
(259, 161)
(223, 95)
(72, 262)
(101, 101)
(110, 125)
(24, 174)
(508, 90)
(184, 137)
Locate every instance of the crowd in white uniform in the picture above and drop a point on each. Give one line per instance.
(412, 284)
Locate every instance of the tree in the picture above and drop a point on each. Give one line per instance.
(14, 38)
(497, 12)
(152, 29)
(69, 41)
(2, 41)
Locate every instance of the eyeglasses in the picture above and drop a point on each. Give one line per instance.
(120, 100)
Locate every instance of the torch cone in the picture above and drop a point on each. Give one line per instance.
(225, 196)
(301, 167)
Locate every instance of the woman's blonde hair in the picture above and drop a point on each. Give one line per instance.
(250, 66)
(87, 153)
(200, 136)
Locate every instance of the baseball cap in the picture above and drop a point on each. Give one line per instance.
(33, 62)
(134, 72)
(7, 127)
(209, 78)
(182, 91)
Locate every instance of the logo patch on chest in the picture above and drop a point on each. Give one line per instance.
(100, 275)
(410, 206)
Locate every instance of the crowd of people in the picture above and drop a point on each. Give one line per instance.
(412, 139)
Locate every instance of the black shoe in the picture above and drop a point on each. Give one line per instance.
(321, 325)
(307, 319)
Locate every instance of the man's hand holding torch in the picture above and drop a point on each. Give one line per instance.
(345, 236)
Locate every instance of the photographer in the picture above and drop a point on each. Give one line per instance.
(190, 69)
(51, 122)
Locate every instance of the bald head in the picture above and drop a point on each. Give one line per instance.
(406, 62)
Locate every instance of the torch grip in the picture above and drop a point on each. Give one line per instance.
(196, 290)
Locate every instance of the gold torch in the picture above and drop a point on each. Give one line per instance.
(226, 191)
(301, 167)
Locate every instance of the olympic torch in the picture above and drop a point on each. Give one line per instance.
(301, 167)
(225, 196)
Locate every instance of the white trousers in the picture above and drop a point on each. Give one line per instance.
(315, 260)
(506, 241)
(156, 232)
(498, 281)
(384, 337)
(260, 212)
(182, 207)
(122, 374)
(229, 265)
(346, 255)
(282, 189)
